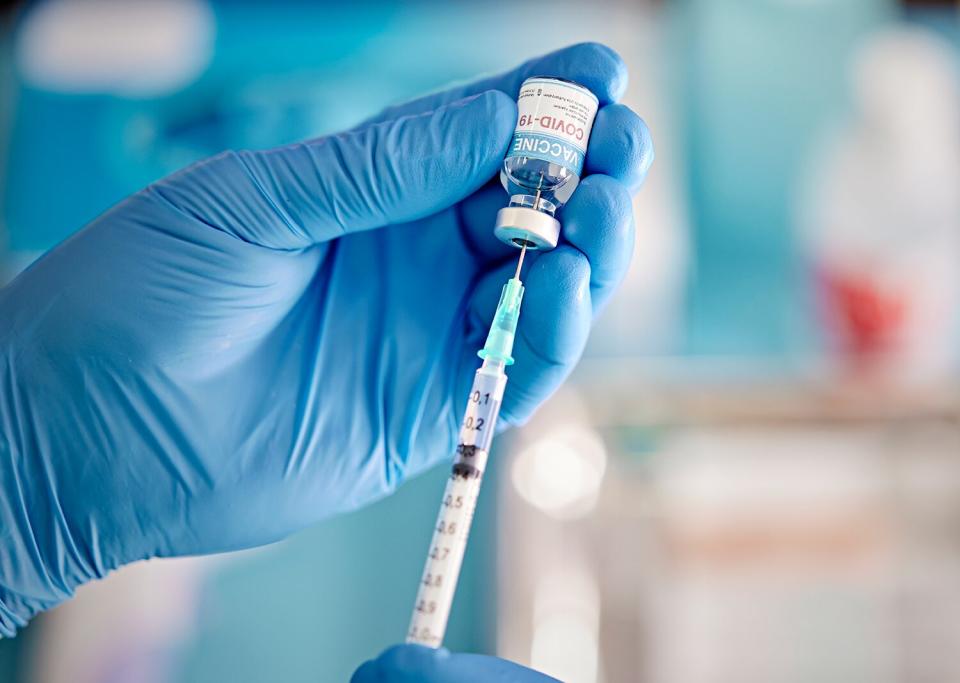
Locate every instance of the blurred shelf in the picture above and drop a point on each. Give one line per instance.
(699, 391)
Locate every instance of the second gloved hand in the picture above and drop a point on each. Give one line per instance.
(419, 664)
(267, 338)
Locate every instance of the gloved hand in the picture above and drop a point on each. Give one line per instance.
(419, 664)
(266, 338)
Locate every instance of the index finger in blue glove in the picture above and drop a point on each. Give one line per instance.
(592, 65)
(620, 146)
(419, 664)
(393, 172)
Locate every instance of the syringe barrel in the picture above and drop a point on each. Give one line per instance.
(449, 542)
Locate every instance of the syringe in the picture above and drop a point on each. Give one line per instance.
(449, 543)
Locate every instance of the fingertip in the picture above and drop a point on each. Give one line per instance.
(553, 329)
(501, 108)
(566, 269)
(368, 672)
(620, 146)
(492, 115)
(411, 657)
(557, 306)
(605, 189)
(599, 217)
(405, 662)
(593, 65)
(599, 222)
(604, 67)
(438, 158)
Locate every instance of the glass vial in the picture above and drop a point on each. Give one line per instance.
(545, 159)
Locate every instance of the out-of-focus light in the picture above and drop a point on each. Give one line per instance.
(566, 626)
(136, 49)
(561, 472)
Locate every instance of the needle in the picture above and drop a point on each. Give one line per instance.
(523, 252)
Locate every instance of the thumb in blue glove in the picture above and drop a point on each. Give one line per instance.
(419, 664)
(243, 348)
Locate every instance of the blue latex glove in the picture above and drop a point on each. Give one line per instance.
(419, 664)
(266, 338)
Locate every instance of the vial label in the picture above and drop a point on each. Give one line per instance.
(555, 118)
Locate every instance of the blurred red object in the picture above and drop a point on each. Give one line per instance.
(867, 319)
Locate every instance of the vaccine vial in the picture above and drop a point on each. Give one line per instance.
(545, 159)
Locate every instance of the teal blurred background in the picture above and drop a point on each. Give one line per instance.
(728, 289)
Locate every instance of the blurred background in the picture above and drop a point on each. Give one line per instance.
(754, 475)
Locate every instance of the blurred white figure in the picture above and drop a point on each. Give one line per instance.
(883, 209)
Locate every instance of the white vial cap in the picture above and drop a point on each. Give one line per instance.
(518, 224)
